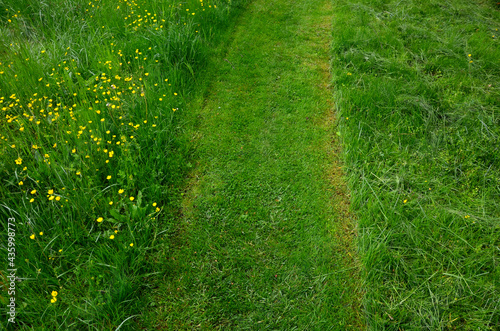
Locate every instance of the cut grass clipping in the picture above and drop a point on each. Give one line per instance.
(417, 87)
(91, 99)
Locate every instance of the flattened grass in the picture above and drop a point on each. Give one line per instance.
(417, 86)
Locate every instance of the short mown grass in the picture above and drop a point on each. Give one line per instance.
(266, 241)
(91, 163)
(417, 86)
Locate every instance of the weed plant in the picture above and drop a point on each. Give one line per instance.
(91, 100)
(418, 92)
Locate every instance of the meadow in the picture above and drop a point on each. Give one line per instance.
(417, 88)
(131, 199)
(92, 95)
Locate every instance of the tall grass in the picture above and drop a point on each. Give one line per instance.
(418, 91)
(92, 96)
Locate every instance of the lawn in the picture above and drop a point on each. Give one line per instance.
(237, 164)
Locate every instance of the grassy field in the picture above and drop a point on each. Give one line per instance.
(160, 168)
(417, 87)
(92, 97)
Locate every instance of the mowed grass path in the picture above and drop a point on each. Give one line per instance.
(266, 240)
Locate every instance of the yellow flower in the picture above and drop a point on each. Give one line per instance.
(131, 198)
(21, 183)
(58, 198)
(111, 203)
(108, 178)
(405, 201)
(116, 231)
(112, 236)
(19, 160)
(120, 191)
(51, 198)
(54, 293)
(53, 300)
(99, 220)
(131, 244)
(31, 200)
(51, 192)
(41, 233)
(32, 236)
(33, 192)
(154, 204)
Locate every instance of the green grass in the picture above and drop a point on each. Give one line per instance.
(265, 241)
(91, 160)
(165, 171)
(417, 87)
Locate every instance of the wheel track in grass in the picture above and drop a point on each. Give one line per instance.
(266, 239)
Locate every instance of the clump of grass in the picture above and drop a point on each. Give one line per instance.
(418, 90)
(91, 100)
